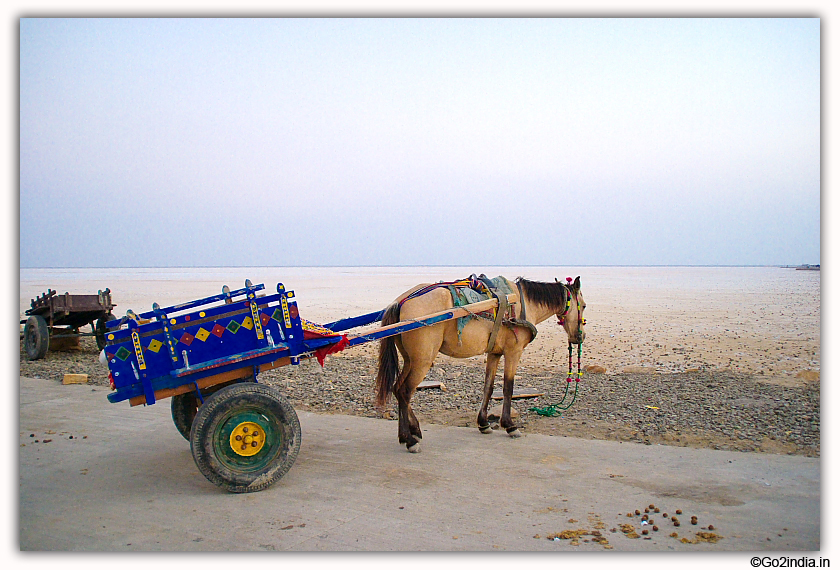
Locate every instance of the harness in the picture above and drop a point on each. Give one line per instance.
(503, 314)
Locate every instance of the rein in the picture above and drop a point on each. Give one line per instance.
(561, 406)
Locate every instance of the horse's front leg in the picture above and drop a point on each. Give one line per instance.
(511, 362)
(489, 380)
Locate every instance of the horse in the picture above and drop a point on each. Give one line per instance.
(419, 347)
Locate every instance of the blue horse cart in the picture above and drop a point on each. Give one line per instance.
(206, 356)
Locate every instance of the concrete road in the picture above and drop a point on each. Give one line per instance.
(126, 481)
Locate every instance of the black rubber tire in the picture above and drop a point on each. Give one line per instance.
(100, 330)
(36, 337)
(184, 410)
(185, 407)
(216, 422)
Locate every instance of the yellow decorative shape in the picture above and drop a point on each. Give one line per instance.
(247, 439)
(202, 334)
(155, 345)
(171, 321)
(202, 314)
(138, 350)
(110, 337)
(257, 323)
(248, 323)
(286, 318)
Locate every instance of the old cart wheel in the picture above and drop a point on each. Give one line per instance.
(184, 410)
(36, 337)
(245, 437)
(185, 407)
(100, 330)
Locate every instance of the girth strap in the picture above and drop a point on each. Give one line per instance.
(501, 311)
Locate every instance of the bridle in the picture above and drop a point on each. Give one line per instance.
(561, 319)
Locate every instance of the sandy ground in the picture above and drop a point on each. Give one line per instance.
(761, 321)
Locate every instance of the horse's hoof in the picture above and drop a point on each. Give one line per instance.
(413, 448)
(485, 429)
(514, 432)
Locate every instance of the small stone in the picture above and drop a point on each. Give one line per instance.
(679, 512)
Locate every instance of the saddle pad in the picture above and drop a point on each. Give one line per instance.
(466, 296)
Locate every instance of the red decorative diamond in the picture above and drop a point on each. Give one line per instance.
(264, 319)
(218, 330)
(187, 338)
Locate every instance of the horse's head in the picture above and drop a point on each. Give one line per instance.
(571, 316)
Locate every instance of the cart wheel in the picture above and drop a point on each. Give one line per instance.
(36, 337)
(184, 409)
(100, 330)
(245, 437)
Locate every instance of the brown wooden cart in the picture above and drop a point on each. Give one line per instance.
(61, 316)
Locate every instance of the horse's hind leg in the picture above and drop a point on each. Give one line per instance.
(404, 430)
(511, 362)
(489, 380)
(409, 430)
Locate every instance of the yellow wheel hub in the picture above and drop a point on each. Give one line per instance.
(247, 439)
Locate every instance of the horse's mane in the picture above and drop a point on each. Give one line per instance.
(550, 295)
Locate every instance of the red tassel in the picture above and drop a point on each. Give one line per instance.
(322, 353)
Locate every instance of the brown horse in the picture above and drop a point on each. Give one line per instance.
(419, 347)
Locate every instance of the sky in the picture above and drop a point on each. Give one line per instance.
(419, 141)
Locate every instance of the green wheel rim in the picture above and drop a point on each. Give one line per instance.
(269, 446)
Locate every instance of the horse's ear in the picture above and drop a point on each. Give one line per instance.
(576, 284)
(555, 280)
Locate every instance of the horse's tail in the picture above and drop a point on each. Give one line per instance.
(389, 365)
